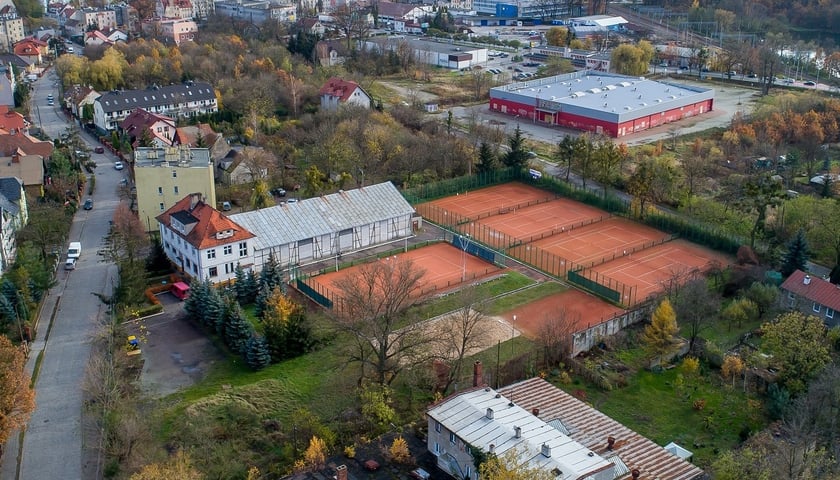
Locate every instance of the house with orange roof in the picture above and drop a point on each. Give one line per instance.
(148, 128)
(31, 50)
(203, 242)
(96, 38)
(337, 92)
(77, 99)
(812, 295)
(12, 122)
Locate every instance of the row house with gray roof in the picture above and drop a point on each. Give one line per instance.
(183, 100)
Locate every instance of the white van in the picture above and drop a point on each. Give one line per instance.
(75, 250)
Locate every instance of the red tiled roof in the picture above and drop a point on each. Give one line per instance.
(337, 87)
(209, 222)
(818, 290)
(10, 120)
(591, 428)
(25, 145)
(188, 135)
(141, 119)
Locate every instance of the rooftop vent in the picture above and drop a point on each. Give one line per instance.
(489, 413)
(517, 432)
(545, 450)
(498, 395)
(806, 280)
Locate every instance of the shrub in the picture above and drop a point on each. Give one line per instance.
(699, 404)
(399, 451)
(350, 451)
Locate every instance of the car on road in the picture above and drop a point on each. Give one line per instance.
(99, 150)
(70, 264)
(518, 70)
(88, 204)
(226, 206)
(809, 84)
(752, 75)
(278, 192)
(50, 102)
(70, 49)
(118, 166)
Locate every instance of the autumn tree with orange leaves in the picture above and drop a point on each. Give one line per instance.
(17, 398)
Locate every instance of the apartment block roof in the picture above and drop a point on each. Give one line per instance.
(156, 96)
(488, 420)
(814, 289)
(593, 429)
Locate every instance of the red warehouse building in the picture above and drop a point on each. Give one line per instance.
(609, 104)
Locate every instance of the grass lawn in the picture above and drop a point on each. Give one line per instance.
(653, 406)
(725, 336)
(220, 420)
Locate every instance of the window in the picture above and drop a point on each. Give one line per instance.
(469, 471)
(817, 307)
(174, 173)
(160, 190)
(228, 249)
(161, 207)
(452, 438)
(829, 312)
(243, 249)
(791, 296)
(214, 272)
(176, 189)
(437, 427)
(211, 253)
(437, 448)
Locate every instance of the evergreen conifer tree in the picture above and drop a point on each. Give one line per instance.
(486, 159)
(796, 256)
(517, 156)
(194, 304)
(260, 302)
(271, 275)
(237, 332)
(213, 308)
(241, 285)
(252, 287)
(256, 353)
(298, 334)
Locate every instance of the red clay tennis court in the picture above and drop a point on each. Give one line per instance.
(650, 270)
(581, 307)
(602, 241)
(522, 225)
(484, 201)
(446, 267)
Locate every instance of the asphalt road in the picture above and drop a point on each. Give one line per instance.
(52, 442)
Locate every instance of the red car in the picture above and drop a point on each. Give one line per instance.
(99, 150)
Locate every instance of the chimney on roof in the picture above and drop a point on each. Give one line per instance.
(517, 431)
(492, 448)
(489, 413)
(546, 450)
(341, 472)
(806, 280)
(477, 374)
(610, 442)
(635, 473)
(194, 199)
(536, 412)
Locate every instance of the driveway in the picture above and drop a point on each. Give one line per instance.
(175, 353)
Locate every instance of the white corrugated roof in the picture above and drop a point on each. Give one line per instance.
(467, 416)
(284, 224)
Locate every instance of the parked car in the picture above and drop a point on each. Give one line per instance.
(70, 264)
(226, 206)
(118, 165)
(89, 204)
(278, 192)
(99, 150)
(809, 84)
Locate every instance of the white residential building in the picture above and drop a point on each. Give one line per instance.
(202, 242)
(183, 100)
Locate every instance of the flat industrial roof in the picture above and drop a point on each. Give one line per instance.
(602, 95)
(427, 45)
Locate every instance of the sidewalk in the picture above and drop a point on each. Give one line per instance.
(11, 450)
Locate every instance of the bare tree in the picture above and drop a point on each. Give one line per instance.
(555, 336)
(128, 240)
(257, 162)
(696, 307)
(351, 20)
(372, 306)
(462, 334)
